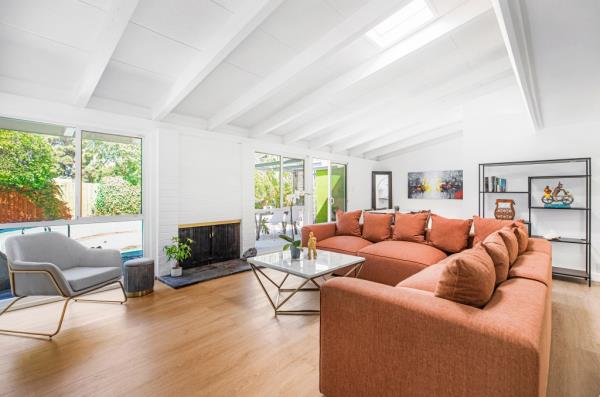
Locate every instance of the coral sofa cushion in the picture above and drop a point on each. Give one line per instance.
(410, 227)
(348, 223)
(468, 278)
(377, 227)
(343, 244)
(483, 227)
(539, 245)
(533, 266)
(425, 280)
(512, 244)
(390, 262)
(522, 239)
(449, 235)
(496, 249)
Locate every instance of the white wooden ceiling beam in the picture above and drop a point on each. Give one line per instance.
(450, 107)
(117, 19)
(349, 30)
(391, 138)
(439, 28)
(396, 95)
(377, 121)
(420, 138)
(232, 34)
(512, 20)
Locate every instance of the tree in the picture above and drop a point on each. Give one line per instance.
(28, 166)
(102, 159)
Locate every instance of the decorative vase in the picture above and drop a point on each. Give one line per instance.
(295, 251)
(176, 271)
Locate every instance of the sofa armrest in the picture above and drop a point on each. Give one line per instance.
(38, 278)
(320, 230)
(95, 257)
(389, 341)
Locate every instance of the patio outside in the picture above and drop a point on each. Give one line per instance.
(278, 200)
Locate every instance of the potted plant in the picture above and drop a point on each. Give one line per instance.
(292, 245)
(178, 252)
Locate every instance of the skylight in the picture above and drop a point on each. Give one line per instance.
(403, 22)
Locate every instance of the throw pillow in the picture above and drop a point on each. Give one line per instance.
(522, 239)
(468, 278)
(411, 227)
(377, 227)
(347, 223)
(496, 249)
(449, 235)
(483, 227)
(512, 244)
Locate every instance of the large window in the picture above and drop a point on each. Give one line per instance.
(111, 175)
(37, 172)
(87, 185)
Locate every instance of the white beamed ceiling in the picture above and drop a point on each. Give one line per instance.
(49, 48)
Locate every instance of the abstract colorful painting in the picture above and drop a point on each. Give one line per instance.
(440, 185)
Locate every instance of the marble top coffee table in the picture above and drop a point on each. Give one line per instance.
(308, 270)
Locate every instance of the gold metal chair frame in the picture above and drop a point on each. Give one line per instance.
(75, 298)
(276, 304)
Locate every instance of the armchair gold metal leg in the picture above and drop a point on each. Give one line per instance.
(103, 300)
(30, 333)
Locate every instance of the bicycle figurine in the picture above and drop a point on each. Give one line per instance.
(559, 197)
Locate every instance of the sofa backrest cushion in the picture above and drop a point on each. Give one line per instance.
(512, 244)
(410, 227)
(533, 265)
(483, 227)
(496, 249)
(522, 239)
(468, 277)
(377, 227)
(449, 235)
(348, 223)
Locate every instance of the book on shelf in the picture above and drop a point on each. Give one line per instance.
(486, 184)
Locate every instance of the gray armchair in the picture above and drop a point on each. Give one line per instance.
(51, 264)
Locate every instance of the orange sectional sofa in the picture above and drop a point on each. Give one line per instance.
(387, 334)
(386, 262)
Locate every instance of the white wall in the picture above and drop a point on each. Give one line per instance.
(496, 129)
(207, 176)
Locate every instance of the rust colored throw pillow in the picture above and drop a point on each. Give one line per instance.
(512, 244)
(347, 223)
(486, 226)
(468, 278)
(377, 227)
(410, 227)
(522, 238)
(449, 235)
(496, 249)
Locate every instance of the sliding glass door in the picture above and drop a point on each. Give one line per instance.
(278, 198)
(329, 187)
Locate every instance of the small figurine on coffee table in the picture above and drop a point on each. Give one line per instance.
(312, 246)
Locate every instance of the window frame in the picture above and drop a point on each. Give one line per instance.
(78, 219)
(282, 157)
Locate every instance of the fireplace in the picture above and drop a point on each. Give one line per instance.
(213, 242)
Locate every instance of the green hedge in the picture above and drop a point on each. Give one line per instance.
(116, 196)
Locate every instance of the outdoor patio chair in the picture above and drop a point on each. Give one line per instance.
(277, 219)
(52, 264)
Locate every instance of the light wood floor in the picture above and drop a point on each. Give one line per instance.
(220, 338)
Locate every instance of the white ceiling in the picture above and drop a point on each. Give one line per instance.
(296, 71)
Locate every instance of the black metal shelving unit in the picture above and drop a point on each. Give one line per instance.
(587, 209)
